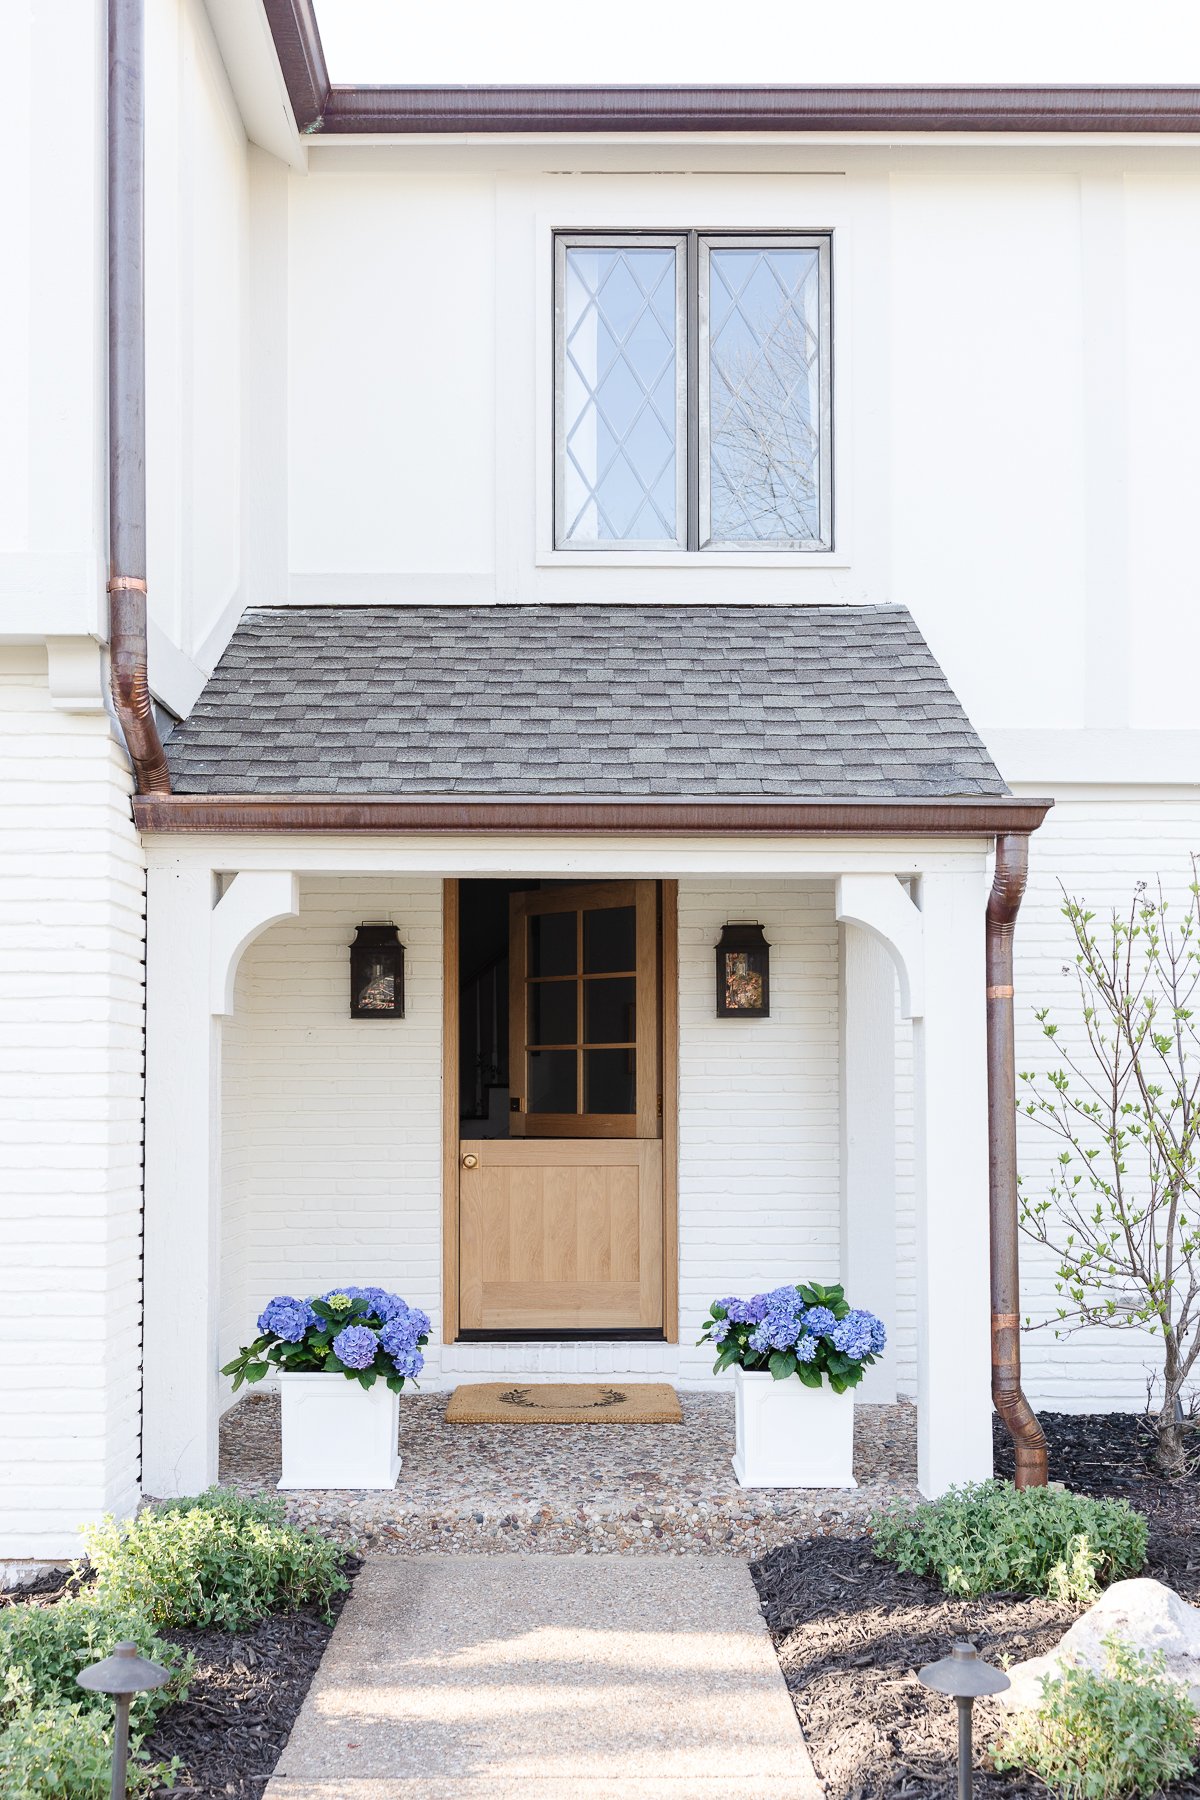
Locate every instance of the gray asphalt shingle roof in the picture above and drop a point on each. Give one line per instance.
(804, 702)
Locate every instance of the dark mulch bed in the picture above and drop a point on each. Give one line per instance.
(242, 1701)
(851, 1631)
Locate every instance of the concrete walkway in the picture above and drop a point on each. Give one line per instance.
(561, 1677)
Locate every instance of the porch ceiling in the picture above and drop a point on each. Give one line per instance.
(593, 703)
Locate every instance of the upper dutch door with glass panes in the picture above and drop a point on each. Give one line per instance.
(692, 392)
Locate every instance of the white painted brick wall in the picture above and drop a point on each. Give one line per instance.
(758, 1105)
(1098, 849)
(71, 933)
(332, 1147)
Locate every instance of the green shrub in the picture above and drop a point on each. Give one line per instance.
(217, 1559)
(1096, 1736)
(65, 1753)
(43, 1648)
(990, 1538)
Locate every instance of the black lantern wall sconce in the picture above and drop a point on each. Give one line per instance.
(743, 972)
(377, 973)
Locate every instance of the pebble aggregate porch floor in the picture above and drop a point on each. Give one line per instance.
(575, 1488)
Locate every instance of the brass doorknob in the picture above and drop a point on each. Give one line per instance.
(470, 1162)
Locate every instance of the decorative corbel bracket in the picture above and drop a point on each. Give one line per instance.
(253, 901)
(882, 906)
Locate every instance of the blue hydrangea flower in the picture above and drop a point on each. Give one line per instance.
(289, 1319)
(720, 1331)
(409, 1362)
(745, 1312)
(399, 1334)
(858, 1333)
(806, 1348)
(781, 1323)
(356, 1345)
(820, 1321)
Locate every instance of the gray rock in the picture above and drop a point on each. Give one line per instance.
(1144, 1613)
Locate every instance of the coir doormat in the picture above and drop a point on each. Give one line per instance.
(564, 1403)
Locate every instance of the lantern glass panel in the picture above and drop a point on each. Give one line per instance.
(376, 973)
(743, 973)
(743, 981)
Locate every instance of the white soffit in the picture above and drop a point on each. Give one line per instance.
(248, 52)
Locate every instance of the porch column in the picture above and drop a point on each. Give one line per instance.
(182, 1186)
(950, 1117)
(193, 943)
(868, 1140)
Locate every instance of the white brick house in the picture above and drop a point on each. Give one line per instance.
(358, 309)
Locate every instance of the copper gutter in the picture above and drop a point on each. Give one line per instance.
(585, 109)
(127, 401)
(1020, 1420)
(983, 817)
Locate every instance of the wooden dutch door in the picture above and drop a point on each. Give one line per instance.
(561, 1224)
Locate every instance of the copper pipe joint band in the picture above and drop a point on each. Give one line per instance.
(126, 583)
(999, 993)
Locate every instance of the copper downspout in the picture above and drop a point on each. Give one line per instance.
(127, 401)
(1008, 888)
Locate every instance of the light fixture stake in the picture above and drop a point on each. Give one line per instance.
(123, 1674)
(964, 1676)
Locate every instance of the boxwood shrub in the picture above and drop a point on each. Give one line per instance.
(215, 1559)
(991, 1538)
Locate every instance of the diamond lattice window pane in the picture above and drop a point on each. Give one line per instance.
(764, 396)
(619, 387)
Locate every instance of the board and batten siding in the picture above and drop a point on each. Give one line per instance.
(71, 930)
(1098, 849)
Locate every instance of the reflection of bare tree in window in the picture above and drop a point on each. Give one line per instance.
(765, 431)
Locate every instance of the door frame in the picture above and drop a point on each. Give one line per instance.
(668, 961)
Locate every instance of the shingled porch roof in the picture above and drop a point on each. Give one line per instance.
(592, 701)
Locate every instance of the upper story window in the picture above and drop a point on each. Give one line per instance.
(692, 392)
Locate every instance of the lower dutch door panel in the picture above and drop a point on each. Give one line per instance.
(561, 1235)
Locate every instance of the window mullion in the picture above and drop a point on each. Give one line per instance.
(692, 378)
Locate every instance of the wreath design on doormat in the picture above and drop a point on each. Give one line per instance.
(523, 1396)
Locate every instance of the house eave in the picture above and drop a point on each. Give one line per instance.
(976, 816)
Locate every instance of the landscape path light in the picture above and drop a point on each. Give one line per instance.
(123, 1674)
(965, 1677)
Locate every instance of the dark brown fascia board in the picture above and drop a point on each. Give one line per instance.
(982, 817)
(301, 59)
(357, 110)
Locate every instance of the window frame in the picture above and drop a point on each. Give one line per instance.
(642, 240)
(693, 392)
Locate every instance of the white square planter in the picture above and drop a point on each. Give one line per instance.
(789, 1435)
(337, 1434)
